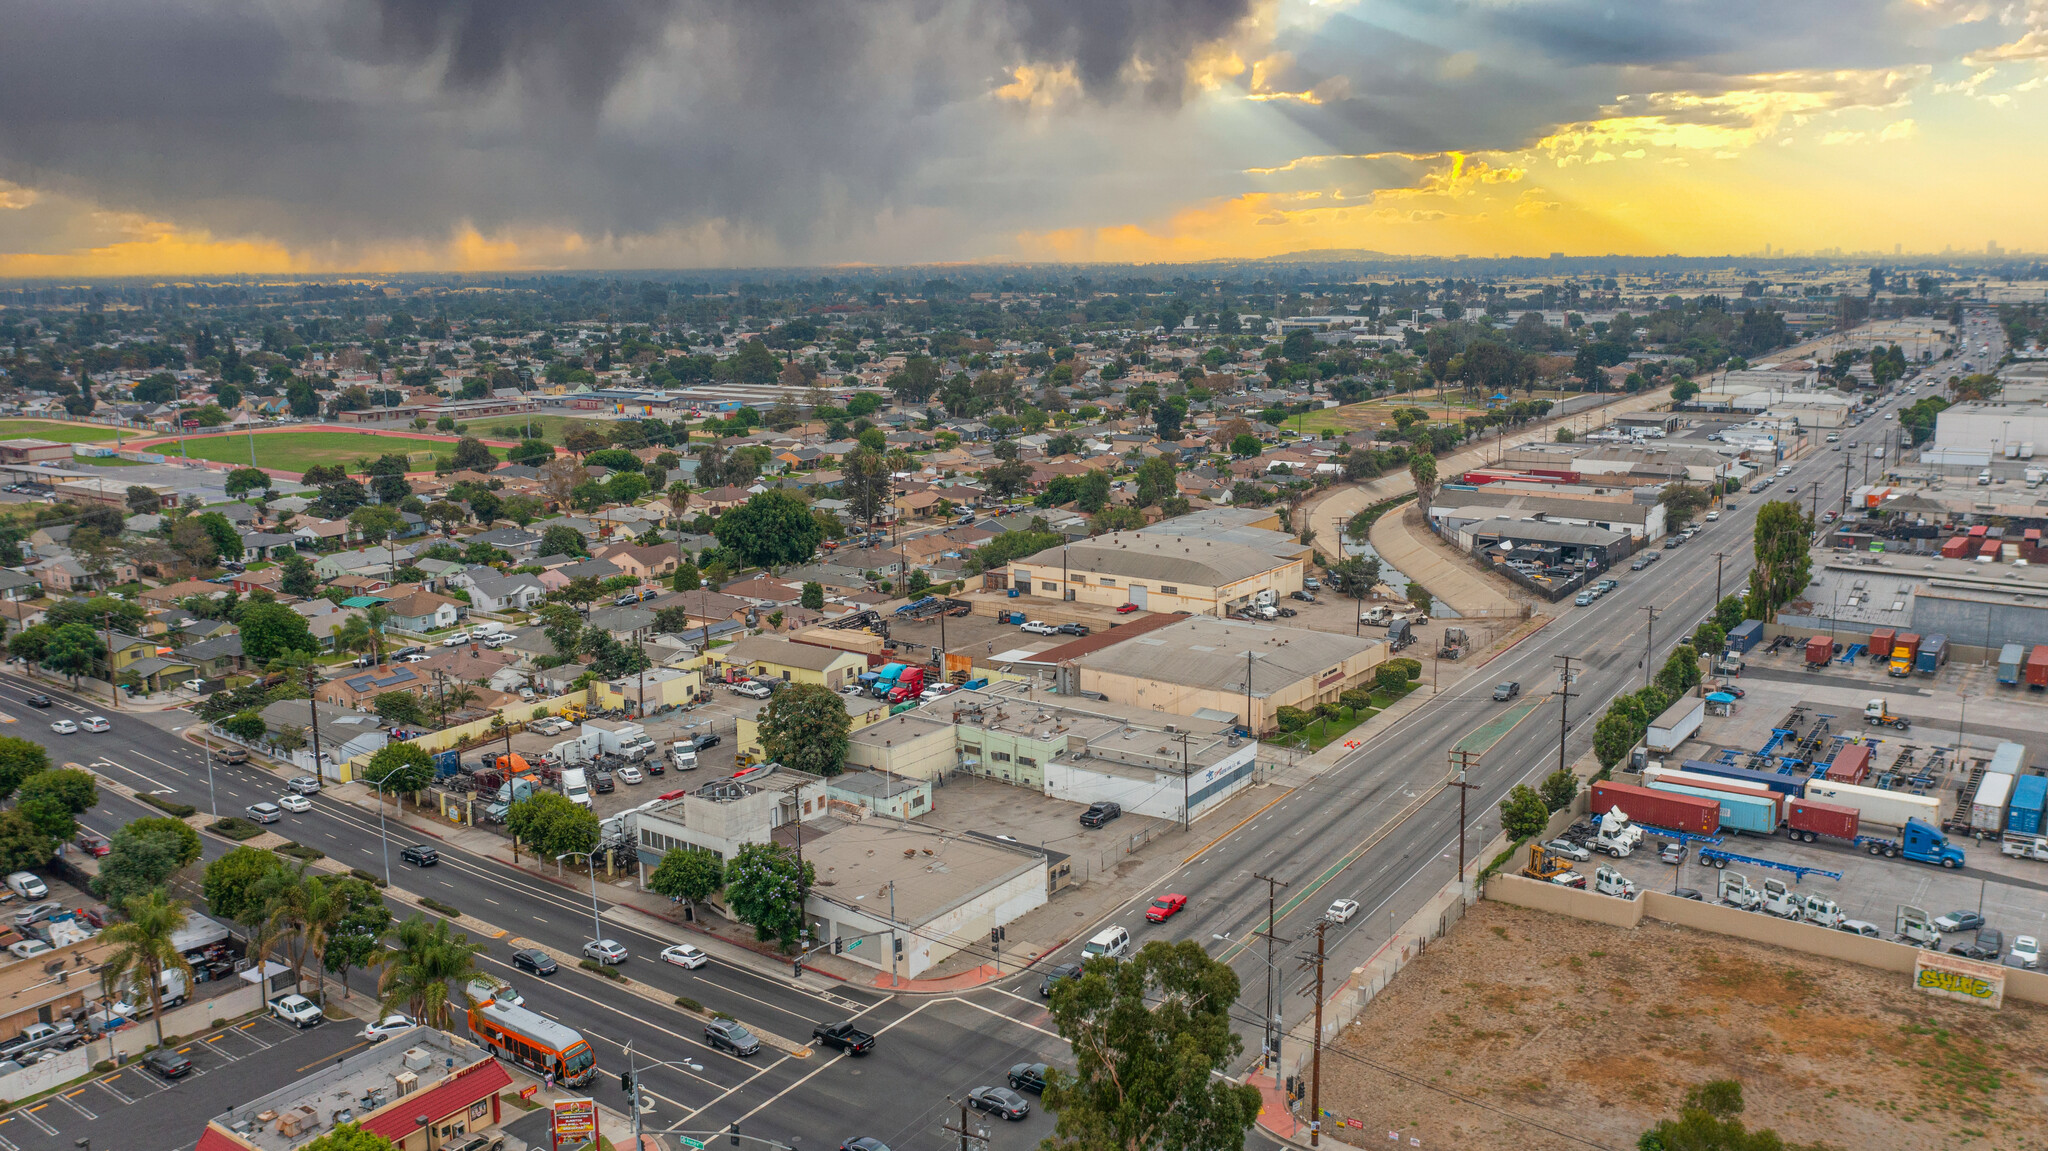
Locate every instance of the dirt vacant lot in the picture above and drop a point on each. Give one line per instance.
(1543, 1025)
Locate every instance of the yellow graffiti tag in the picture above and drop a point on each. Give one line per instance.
(1955, 982)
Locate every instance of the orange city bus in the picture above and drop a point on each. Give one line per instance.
(534, 1041)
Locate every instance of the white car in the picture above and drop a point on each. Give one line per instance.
(64, 727)
(96, 723)
(629, 774)
(418, 657)
(605, 951)
(29, 948)
(304, 784)
(684, 955)
(2026, 952)
(1039, 627)
(1711, 516)
(456, 640)
(386, 1027)
(752, 689)
(265, 812)
(294, 803)
(939, 691)
(296, 1010)
(1342, 911)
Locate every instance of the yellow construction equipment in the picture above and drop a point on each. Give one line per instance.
(1545, 864)
(574, 713)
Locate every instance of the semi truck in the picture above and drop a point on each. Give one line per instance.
(1658, 809)
(2011, 658)
(1918, 840)
(1916, 927)
(1878, 713)
(1738, 813)
(1733, 889)
(1905, 649)
(1680, 722)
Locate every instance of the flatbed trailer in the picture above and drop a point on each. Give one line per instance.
(1714, 857)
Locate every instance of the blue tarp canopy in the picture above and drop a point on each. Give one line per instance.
(1720, 697)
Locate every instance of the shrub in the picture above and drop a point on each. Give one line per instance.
(604, 969)
(300, 851)
(235, 827)
(1412, 668)
(435, 905)
(689, 1004)
(366, 877)
(177, 810)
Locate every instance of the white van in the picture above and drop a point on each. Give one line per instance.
(1114, 942)
(27, 885)
(576, 786)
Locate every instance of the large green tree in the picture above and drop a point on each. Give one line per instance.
(805, 727)
(867, 485)
(234, 883)
(428, 958)
(270, 630)
(687, 874)
(765, 886)
(1784, 563)
(143, 856)
(1707, 1122)
(399, 767)
(773, 529)
(550, 824)
(20, 759)
(1150, 1036)
(23, 845)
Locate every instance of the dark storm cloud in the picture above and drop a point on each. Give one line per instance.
(364, 121)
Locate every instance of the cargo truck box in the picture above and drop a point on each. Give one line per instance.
(2006, 758)
(1851, 764)
(2029, 797)
(1819, 650)
(1886, 808)
(1738, 812)
(1658, 809)
(1933, 654)
(1881, 644)
(1745, 635)
(1680, 722)
(2037, 667)
(2010, 658)
(1987, 810)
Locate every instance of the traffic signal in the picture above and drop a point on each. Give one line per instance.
(735, 1129)
(626, 1082)
(997, 934)
(796, 968)
(838, 945)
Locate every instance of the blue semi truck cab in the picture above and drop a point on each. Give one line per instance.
(1924, 843)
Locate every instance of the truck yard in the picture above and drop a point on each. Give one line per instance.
(1524, 1031)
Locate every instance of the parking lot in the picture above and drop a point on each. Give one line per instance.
(136, 1108)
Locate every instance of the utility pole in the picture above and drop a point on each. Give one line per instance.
(971, 1139)
(895, 944)
(1465, 762)
(313, 712)
(1564, 693)
(1273, 1028)
(1187, 817)
(1315, 1083)
(1718, 558)
(1650, 645)
(113, 689)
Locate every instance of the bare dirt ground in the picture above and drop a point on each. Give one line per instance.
(1529, 1032)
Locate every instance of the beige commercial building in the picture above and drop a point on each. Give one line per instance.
(1169, 573)
(1206, 666)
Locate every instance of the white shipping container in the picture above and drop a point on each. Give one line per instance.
(1987, 811)
(1886, 808)
(1679, 723)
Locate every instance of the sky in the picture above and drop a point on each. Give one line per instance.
(214, 137)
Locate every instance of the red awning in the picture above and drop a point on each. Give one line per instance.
(396, 1120)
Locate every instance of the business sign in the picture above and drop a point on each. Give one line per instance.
(575, 1121)
(1953, 977)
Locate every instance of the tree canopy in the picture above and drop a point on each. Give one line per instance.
(773, 529)
(804, 727)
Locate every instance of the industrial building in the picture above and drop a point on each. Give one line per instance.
(1224, 667)
(1158, 572)
(1978, 606)
(1455, 510)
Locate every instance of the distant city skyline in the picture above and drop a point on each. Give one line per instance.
(226, 137)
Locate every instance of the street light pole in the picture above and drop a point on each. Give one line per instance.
(596, 924)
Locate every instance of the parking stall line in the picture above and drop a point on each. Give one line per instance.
(212, 1042)
(36, 1119)
(7, 1144)
(67, 1100)
(107, 1085)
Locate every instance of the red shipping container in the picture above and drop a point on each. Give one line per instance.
(1850, 765)
(1809, 820)
(2037, 666)
(1658, 808)
(1990, 550)
(1819, 650)
(1955, 547)
(2032, 536)
(1881, 643)
(1977, 532)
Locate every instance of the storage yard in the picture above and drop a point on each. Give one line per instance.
(1519, 1027)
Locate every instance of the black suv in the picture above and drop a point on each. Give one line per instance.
(423, 854)
(1028, 1077)
(1989, 945)
(38, 699)
(1063, 971)
(1100, 813)
(601, 782)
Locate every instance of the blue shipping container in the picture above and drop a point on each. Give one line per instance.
(1792, 785)
(2029, 796)
(1738, 812)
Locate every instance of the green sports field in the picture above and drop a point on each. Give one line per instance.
(66, 433)
(297, 451)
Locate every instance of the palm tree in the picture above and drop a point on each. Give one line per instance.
(428, 958)
(143, 950)
(455, 698)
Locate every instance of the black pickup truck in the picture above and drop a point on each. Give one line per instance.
(846, 1037)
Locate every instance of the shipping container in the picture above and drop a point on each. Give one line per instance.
(1933, 654)
(1745, 635)
(1988, 550)
(1808, 818)
(1889, 808)
(1955, 547)
(1851, 764)
(2006, 759)
(2010, 657)
(2037, 666)
(1979, 531)
(1657, 808)
(1680, 722)
(1768, 780)
(1881, 644)
(1819, 650)
(1910, 642)
(1738, 812)
(1715, 783)
(2029, 797)
(1987, 810)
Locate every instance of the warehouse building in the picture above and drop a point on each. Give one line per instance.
(1979, 607)
(1454, 509)
(1158, 573)
(1236, 668)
